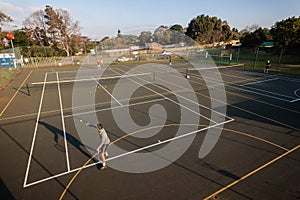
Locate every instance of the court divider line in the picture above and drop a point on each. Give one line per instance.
(85, 106)
(15, 94)
(63, 122)
(247, 90)
(196, 103)
(251, 173)
(246, 97)
(253, 113)
(171, 100)
(269, 79)
(297, 95)
(262, 81)
(215, 126)
(88, 79)
(118, 156)
(275, 95)
(35, 132)
(106, 91)
(236, 94)
(295, 100)
(116, 107)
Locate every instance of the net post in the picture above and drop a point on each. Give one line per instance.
(28, 91)
(187, 73)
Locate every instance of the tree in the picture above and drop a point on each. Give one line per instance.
(53, 27)
(51, 20)
(205, 29)
(21, 38)
(162, 35)
(177, 27)
(66, 29)
(35, 28)
(256, 38)
(4, 19)
(145, 37)
(131, 39)
(287, 32)
(227, 33)
(235, 34)
(177, 34)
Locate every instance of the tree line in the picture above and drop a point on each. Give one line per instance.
(55, 28)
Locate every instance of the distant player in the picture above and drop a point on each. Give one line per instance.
(102, 148)
(267, 66)
(98, 64)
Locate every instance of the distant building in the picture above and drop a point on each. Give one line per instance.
(267, 46)
(153, 46)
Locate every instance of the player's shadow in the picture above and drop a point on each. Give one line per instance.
(70, 139)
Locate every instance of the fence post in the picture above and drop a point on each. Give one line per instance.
(256, 57)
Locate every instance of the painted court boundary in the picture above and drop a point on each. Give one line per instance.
(69, 170)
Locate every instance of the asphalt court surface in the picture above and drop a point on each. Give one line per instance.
(256, 156)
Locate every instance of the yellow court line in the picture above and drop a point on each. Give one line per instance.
(257, 138)
(4, 109)
(158, 126)
(296, 92)
(251, 173)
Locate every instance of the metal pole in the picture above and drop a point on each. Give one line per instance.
(256, 57)
(280, 57)
(12, 46)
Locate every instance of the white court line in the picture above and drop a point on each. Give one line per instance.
(251, 88)
(106, 91)
(168, 140)
(63, 123)
(35, 131)
(247, 90)
(75, 71)
(127, 153)
(272, 79)
(116, 107)
(85, 79)
(187, 108)
(199, 68)
(261, 90)
(295, 100)
(196, 103)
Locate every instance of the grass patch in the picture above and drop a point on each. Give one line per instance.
(6, 75)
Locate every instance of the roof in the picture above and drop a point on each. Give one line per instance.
(267, 44)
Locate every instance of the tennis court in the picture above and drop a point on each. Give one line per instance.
(153, 114)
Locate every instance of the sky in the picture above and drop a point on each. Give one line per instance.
(103, 18)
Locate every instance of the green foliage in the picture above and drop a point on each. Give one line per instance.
(227, 33)
(145, 37)
(287, 32)
(177, 27)
(54, 27)
(256, 38)
(162, 35)
(205, 29)
(21, 39)
(4, 18)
